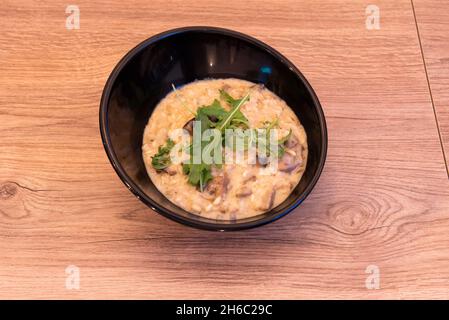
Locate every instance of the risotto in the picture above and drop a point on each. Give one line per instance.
(250, 183)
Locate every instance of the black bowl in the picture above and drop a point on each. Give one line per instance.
(144, 76)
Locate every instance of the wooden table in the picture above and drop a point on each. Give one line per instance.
(382, 201)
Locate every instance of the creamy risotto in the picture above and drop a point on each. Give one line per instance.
(226, 190)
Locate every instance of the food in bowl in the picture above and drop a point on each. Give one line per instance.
(252, 149)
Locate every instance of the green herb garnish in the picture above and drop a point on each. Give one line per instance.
(263, 142)
(199, 174)
(281, 142)
(210, 116)
(234, 118)
(214, 116)
(161, 159)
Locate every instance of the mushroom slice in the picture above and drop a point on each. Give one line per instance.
(291, 160)
(189, 126)
(217, 187)
(266, 200)
(288, 163)
(243, 191)
(291, 142)
(261, 160)
(171, 170)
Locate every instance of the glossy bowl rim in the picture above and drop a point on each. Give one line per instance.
(142, 196)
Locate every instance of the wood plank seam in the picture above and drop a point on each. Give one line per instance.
(430, 89)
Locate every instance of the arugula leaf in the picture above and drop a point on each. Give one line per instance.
(161, 159)
(214, 116)
(264, 143)
(215, 110)
(281, 142)
(209, 116)
(227, 97)
(199, 174)
(234, 118)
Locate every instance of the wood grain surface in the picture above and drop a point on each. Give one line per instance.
(433, 24)
(383, 198)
